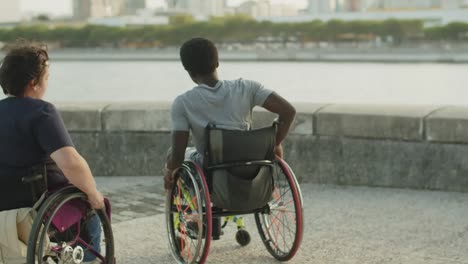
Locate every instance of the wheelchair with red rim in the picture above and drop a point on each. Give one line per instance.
(241, 175)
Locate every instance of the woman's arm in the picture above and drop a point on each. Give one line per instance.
(76, 170)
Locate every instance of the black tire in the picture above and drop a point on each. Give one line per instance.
(281, 226)
(47, 244)
(189, 234)
(242, 237)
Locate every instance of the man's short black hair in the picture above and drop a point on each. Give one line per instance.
(199, 56)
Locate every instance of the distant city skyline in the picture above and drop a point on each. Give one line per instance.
(64, 7)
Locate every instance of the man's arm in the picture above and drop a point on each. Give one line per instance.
(176, 157)
(286, 114)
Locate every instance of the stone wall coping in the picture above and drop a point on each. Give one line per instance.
(392, 110)
(398, 122)
(301, 107)
(137, 116)
(138, 106)
(86, 106)
(451, 112)
(449, 124)
(82, 116)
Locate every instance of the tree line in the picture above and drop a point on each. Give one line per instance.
(237, 29)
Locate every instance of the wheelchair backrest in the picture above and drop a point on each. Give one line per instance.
(239, 165)
(235, 150)
(22, 187)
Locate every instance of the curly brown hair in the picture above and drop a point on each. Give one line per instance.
(24, 61)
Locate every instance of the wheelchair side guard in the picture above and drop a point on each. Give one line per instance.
(69, 214)
(72, 212)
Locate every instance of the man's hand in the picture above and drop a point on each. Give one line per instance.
(175, 156)
(286, 114)
(279, 151)
(168, 179)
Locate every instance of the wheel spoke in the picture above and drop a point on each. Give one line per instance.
(187, 214)
(278, 227)
(58, 239)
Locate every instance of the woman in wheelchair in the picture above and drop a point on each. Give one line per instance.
(232, 170)
(37, 156)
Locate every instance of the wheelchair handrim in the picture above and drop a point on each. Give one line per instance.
(57, 200)
(201, 250)
(266, 221)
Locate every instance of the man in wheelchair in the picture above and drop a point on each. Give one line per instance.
(226, 103)
(236, 161)
(36, 148)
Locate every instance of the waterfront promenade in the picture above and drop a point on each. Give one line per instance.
(343, 224)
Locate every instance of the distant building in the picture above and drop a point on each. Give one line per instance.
(359, 5)
(123, 21)
(197, 8)
(352, 5)
(131, 7)
(177, 4)
(430, 17)
(263, 8)
(415, 4)
(10, 11)
(319, 6)
(86, 9)
(452, 4)
(251, 8)
(405, 5)
(113, 7)
(283, 10)
(393, 5)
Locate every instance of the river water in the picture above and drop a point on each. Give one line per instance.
(367, 83)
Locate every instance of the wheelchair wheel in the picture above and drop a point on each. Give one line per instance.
(280, 225)
(188, 215)
(66, 230)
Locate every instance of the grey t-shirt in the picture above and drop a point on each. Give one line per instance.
(228, 105)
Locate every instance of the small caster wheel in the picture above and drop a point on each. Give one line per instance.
(242, 237)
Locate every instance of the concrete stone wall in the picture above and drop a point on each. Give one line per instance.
(423, 147)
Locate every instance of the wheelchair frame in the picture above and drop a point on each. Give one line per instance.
(197, 176)
(72, 251)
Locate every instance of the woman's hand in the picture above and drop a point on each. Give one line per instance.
(96, 200)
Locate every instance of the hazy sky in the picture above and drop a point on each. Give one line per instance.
(64, 7)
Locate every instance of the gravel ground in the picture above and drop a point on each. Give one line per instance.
(342, 225)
